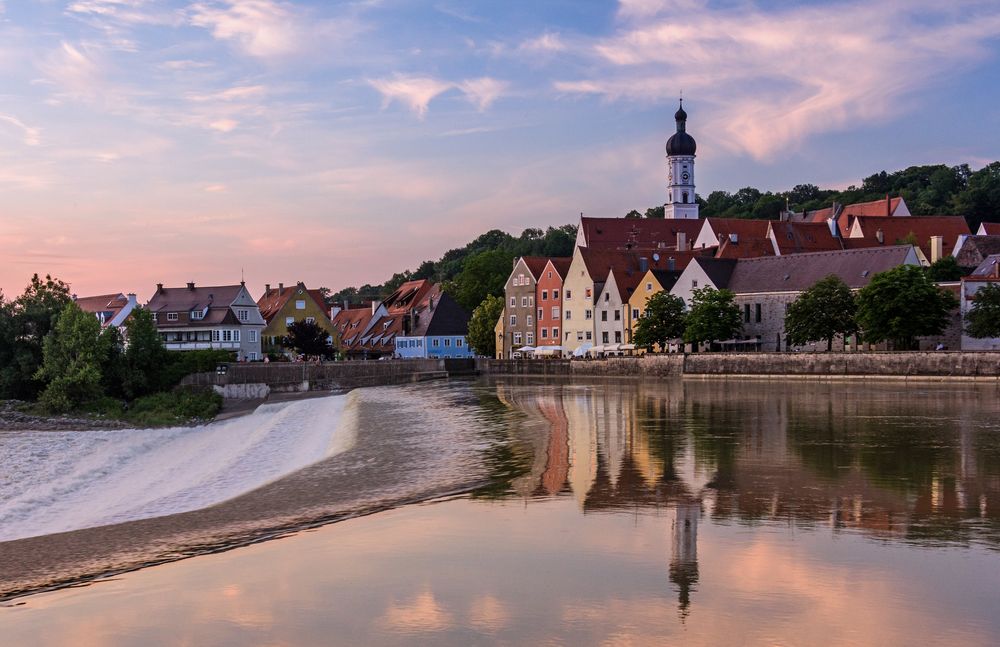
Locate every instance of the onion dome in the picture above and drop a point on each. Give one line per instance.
(681, 143)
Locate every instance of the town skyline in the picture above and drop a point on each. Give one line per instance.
(167, 142)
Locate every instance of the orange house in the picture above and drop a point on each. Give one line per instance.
(548, 299)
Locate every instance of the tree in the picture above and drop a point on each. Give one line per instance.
(946, 268)
(29, 320)
(482, 325)
(654, 212)
(663, 320)
(72, 358)
(983, 320)
(902, 304)
(309, 339)
(713, 316)
(483, 274)
(633, 214)
(144, 357)
(822, 312)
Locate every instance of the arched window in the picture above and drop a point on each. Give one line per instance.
(685, 197)
(670, 196)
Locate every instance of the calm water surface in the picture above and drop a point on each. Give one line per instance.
(695, 512)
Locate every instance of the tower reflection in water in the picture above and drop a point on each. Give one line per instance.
(844, 457)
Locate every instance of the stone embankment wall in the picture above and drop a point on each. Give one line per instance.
(254, 381)
(932, 364)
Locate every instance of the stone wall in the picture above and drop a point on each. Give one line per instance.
(876, 364)
(252, 381)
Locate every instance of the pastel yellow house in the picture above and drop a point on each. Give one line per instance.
(283, 306)
(652, 282)
(498, 331)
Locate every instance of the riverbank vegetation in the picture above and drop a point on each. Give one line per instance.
(59, 358)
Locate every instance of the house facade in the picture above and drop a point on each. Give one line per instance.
(281, 307)
(549, 300)
(436, 327)
(987, 273)
(223, 317)
(651, 283)
(519, 305)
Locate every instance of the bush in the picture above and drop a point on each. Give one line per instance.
(181, 364)
(173, 407)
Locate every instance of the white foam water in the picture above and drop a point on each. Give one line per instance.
(59, 481)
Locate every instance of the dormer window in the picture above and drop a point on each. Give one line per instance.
(243, 315)
(172, 316)
(385, 326)
(197, 314)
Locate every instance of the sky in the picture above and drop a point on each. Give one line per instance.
(146, 141)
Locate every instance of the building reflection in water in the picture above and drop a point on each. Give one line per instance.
(832, 455)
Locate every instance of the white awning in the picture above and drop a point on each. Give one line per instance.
(596, 349)
(612, 347)
(582, 350)
(627, 347)
(526, 349)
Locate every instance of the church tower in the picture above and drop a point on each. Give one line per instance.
(681, 146)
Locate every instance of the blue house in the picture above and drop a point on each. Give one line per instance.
(434, 328)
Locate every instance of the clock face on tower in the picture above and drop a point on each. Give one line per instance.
(685, 176)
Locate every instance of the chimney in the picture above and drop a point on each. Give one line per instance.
(334, 311)
(681, 241)
(159, 287)
(281, 288)
(190, 285)
(131, 299)
(888, 205)
(879, 235)
(267, 288)
(937, 248)
(374, 307)
(643, 264)
(73, 296)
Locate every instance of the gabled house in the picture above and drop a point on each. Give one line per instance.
(549, 301)
(988, 229)
(110, 309)
(653, 282)
(223, 317)
(715, 231)
(843, 216)
(281, 307)
(349, 323)
(988, 272)
(519, 303)
(436, 327)
(389, 320)
(971, 251)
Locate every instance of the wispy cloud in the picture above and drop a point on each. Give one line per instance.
(546, 43)
(773, 78)
(484, 91)
(416, 92)
(30, 134)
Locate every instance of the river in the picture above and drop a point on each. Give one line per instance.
(520, 512)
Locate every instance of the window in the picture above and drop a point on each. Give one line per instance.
(300, 304)
(459, 342)
(545, 333)
(618, 336)
(529, 321)
(604, 315)
(531, 301)
(589, 335)
(756, 314)
(155, 317)
(541, 313)
(513, 320)
(447, 342)
(604, 337)
(196, 315)
(588, 315)
(649, 287)
(545, 295)
(746, 313)
(569, 294)
(618, 315)
(550, 275)
(694, 283)
(435, 343)
(607, 295)
(555, 312)
(215, 335)
(236, 335)
(555, 333)
(385, 325)
(520, 277)
(529, 338)
(579, 335)
(586, 293)
(253, 335)
(252, 356)
(172, 316)
(568, 315)
(513, 302)
(243, 314)
(635, 313)
(289, 321)
(310, 319)
(555, 294)
(524, 302)
(227, 335)
(517, 338)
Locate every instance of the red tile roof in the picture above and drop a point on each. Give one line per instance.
(742, 227)
(991, 228)
(745, 248)
(561, 265)
(802, 237)
(102, 303)
(638, 233)
(896, 230)
(535, 264)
